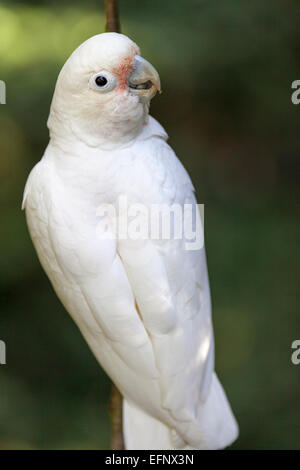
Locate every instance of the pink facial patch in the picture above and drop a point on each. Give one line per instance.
(123, 71)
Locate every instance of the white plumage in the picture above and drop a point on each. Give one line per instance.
(143, 306)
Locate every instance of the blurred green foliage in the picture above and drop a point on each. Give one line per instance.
(226, 70)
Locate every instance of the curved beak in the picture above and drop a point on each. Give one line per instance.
(144, 79)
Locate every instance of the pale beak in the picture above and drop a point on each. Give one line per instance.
(144, 79)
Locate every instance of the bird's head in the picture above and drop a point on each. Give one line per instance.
(103, 92)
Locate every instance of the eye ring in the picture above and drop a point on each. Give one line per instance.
(103, 81)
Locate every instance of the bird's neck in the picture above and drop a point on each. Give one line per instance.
(106, 133)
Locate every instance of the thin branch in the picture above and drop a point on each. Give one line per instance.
(112, 16)
(116, 415)
(116, 399)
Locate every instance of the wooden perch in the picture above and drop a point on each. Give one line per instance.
(116, 400)
(116, 416)
(112, 16)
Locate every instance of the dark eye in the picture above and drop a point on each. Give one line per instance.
(101, 81)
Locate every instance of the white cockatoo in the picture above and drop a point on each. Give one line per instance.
(142, 304)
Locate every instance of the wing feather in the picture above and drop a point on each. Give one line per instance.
(171, 288)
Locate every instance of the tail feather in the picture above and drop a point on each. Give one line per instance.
(217, 423)
(142, 432)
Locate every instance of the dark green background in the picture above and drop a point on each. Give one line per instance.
(226, 69)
